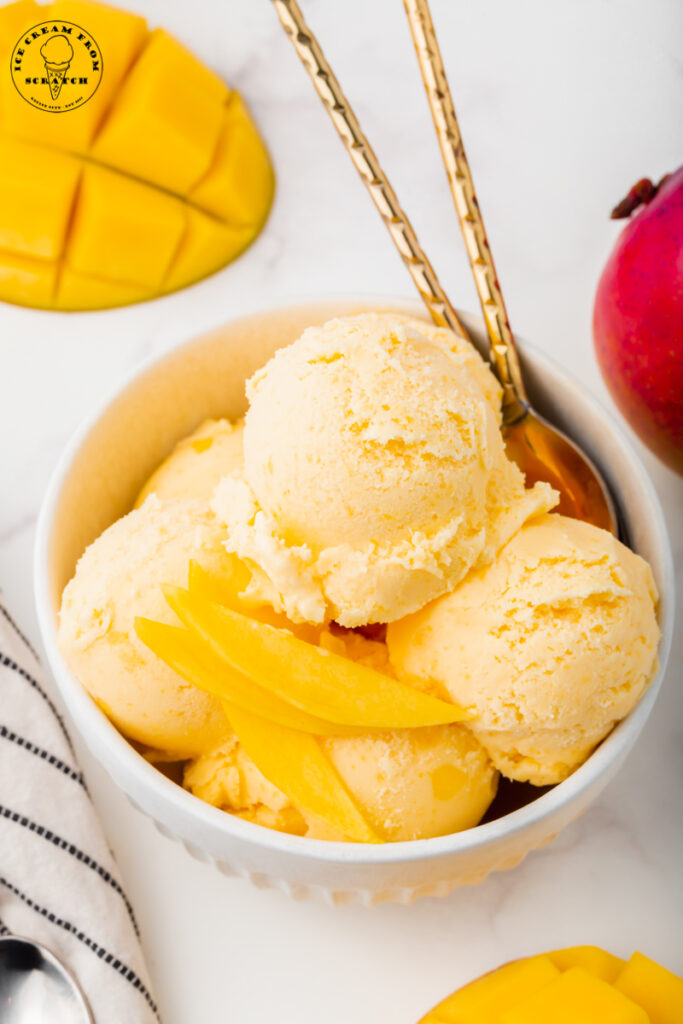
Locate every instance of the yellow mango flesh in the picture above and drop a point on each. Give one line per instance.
(576, 996)
(579, 984)
(487, 998)
(295, 763)
(155, 182)
(179, 649)
(657, 990)
(598, 961)
(319, 682)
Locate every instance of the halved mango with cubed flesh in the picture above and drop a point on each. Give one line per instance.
(657, 990)
(579, 984)
(295, 763)
(178, 648)
(324, 684)
(156, 181)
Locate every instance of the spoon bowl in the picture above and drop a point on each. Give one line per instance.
(35, 986)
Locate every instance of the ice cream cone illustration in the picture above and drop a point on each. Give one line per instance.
(57, 53)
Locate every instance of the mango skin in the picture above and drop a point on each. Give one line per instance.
(579, 984)
(158, 180)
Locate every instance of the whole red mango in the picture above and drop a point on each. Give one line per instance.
(638, 317)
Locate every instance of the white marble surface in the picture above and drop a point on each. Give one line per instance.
(563, 106)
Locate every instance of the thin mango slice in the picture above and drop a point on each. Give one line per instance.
(179, 649)
(657, 990)
(324, 684)
(156, 180)
(295, 763)
(576, 996)
(227, 590)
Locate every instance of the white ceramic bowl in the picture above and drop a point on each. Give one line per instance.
(96, 481)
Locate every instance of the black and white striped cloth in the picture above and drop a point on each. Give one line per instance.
(59, 884)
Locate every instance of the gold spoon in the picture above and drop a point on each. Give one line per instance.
(540, 450)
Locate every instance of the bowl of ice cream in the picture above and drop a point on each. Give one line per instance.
(542, 631)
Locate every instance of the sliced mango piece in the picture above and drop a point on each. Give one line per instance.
(576, 996)
(295, 763)
(27, 281)
(80, 291)
(123, 230)
(241, 173)
(206, 244)
(595, 960)
(317, 681)
(227, 590)
(37, 192)
(657, 990)
(170, 105)
(487, 998)
(145, 125)
(179, 649)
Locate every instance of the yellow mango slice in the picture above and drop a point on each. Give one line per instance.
(484, 1001)
(227, 590)
(317, 681)
(657, 990)
(241, 173)
(165, 107)
(175, 181)
(37, 192)
(576, 996)
(206, 244)
(80, 291)
(27, 281)
(123, 230)
(295, 763)
(179, 649)
(593, 959)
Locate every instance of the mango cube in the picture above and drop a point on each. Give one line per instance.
(123, 230)
(164, 126)
(241, 172)
(658, 991)
(576, 996)
(487, 998)
(37, 192)
(153, 181)
(595, 960)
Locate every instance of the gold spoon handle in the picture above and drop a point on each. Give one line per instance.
(503, 351)
(367, 165)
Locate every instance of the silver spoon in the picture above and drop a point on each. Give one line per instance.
(36, 988)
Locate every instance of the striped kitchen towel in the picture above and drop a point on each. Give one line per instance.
(59, 884)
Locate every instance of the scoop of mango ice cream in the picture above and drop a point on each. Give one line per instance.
(551, 645)
(409, 783)
(375, 474)
(198, 463)
(118, 578)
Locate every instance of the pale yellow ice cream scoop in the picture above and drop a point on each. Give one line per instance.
(551, 645)
(118, 577)
(198, 463)
(375, 472)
